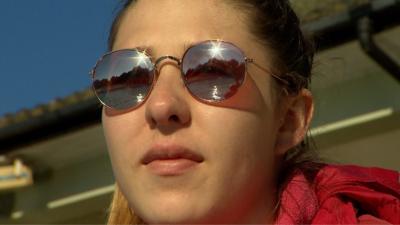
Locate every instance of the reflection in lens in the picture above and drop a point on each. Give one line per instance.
(216, 93)
(123, 79)
(216, 50)
(213, 70)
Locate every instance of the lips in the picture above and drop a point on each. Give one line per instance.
(170, 160)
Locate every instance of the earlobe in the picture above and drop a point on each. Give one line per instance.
(295, 117)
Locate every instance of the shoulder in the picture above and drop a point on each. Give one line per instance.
(345, 173)
(360, 194)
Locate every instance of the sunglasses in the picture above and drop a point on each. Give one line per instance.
(212, 71)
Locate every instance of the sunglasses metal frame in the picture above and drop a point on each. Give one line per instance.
(179, 61)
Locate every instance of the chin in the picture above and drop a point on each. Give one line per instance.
(169, 219)
(174, 215)
(173, 211)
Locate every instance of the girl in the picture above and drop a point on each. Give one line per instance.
(206, 109)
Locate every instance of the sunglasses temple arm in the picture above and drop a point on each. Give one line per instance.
(249, 60)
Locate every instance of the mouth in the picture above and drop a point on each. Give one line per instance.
(171, 160)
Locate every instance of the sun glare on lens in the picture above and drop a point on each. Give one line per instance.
(216, 50)
(141, 59)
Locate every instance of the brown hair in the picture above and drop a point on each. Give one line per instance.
(274, 23)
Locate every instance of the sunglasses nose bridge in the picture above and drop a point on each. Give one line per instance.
(158, 61)
(157, 68)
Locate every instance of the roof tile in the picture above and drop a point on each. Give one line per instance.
(41, 109)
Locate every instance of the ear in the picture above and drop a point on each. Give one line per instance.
(295, 117)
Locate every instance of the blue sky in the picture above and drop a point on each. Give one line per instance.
(48, 47)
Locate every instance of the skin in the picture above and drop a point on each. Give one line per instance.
(240, 140)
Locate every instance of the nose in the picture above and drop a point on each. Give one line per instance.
(167, 105)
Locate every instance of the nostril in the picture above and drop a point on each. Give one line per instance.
(174, 118)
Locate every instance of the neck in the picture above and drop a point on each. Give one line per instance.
(260, 211)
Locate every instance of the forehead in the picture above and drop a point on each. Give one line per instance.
(177, 23)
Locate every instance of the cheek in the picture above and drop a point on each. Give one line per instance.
(240, 156)
(240, 143)
(120, 131)
(239, 136)
(246, 120)
(242, 132)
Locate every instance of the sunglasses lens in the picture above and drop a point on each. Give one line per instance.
(213, 70)
(123, 79)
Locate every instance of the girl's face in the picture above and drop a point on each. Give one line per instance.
(219, 159)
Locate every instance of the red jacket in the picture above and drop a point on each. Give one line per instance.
(342, 195)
